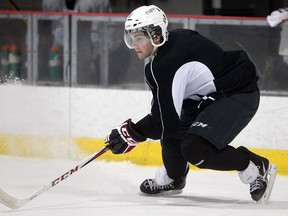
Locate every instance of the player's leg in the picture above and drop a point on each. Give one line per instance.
(170, 178)
(253, 169)
(203, 154)
(260, 174)
(206, 144)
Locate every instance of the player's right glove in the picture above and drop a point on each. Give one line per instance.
(124, 138)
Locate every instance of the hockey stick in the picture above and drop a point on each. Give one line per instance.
(15, 203)
(13, 5)
(15, 8)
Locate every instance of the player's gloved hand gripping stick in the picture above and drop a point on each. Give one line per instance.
(124, 138)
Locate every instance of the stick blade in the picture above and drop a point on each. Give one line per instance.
(10, 201)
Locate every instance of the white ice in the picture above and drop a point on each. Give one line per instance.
(103, 188)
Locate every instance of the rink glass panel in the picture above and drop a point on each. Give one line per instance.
(50, 56)
(14, 30)
(94, 53)
(262, 45)
(100, 55)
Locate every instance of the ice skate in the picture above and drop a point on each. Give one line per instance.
(263, 174)
(164, 185)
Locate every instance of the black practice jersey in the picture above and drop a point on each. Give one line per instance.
(188, 67)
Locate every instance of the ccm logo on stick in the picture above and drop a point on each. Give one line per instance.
(64, 176)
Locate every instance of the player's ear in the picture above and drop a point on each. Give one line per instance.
(157, 39)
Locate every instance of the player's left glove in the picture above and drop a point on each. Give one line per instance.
(124, 138)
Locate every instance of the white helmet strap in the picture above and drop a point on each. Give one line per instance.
(152, 37)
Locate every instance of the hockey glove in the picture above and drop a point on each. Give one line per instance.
(123, 138)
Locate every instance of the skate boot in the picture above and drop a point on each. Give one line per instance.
(260, 174)
(163, 184)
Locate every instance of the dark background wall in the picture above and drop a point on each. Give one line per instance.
(255, 8)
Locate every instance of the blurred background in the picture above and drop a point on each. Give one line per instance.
(255, 8)
(86, 50)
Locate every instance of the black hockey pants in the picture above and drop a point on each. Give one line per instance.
(203, 139)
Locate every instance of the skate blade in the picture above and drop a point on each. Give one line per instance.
(272, 172)
(163, 193)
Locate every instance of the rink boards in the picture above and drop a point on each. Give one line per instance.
(60, 122)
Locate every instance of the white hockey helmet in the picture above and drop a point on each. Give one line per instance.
(149, 19)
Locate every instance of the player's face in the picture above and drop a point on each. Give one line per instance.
(142, 45)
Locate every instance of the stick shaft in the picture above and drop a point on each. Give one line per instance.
(15, 203)
(13, 5)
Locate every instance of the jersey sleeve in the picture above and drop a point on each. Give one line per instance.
(149, 127)
(163, 120)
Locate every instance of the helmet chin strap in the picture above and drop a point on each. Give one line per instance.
(157, 45)
(152, 41)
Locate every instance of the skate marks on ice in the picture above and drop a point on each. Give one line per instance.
(114, 187)
(113, 203)
(215, 202)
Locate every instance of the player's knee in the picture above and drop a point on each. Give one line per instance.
(196, 150)
(171, 145)
(193, 157)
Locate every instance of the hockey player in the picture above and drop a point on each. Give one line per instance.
(277, 17)
(202, 98)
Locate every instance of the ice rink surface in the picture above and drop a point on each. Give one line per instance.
(110, 189)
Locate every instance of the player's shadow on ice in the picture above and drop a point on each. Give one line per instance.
(215, 202)
(121, 201)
